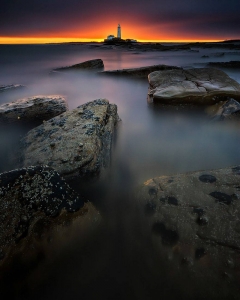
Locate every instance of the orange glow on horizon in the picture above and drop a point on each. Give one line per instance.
(56, 40)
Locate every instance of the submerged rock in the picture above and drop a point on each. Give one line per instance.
(8, 87)
(228, 64)
(194, 225)
(86, 65)
(33, 109)
(31, 194)
(141, 72)
(229, 110)
(77, 142)
(195, 86)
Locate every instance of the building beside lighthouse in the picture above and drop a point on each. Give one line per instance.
(111, 39)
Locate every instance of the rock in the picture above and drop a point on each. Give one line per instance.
(193, 222)
(86, 65)
(8, 87)
(195, 86)
(33, 109)
(75, 143)
(139, 72)
(228, 64)
(229, 110)
(31, 194)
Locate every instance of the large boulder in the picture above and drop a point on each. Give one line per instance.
(77, 142)
(86, 65)
(141, 72)
(8, 87)
(28, 195)
(33, 109)
(193, 222)
(195, 86)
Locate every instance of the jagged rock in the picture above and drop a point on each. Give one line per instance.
(33, 109)
(195, 86)
(77, 142)
(31, 194)
(8, 87)
(139, 72)
(193, 221)
(228, 64)
(228, 110)
(86, 65)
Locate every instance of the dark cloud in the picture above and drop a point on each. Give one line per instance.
(209, 17)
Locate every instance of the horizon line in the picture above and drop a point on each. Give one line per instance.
(56, 40)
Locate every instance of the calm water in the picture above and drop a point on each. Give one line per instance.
(149, 142)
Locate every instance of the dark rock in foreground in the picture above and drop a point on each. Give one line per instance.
(141, 72)
(193, 86)
(229, 110)
(33, 109)
(28, 195)
(193, 221)
(228, 64)
(86, 65)
(75, 143)
(8, 87)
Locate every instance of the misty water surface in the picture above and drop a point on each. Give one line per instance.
(150, 141)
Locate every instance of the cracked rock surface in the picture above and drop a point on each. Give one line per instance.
(229, 110)
(194, 223)
(142, 72)
(77, 142)
(28, 195)
(33, 109)
(194, 86)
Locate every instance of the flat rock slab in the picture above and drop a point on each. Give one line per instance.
(142, 72)
(8, 87)
(86, 65)
(194, 86)
(33, 109)
(193, 218)
(29, 194)
(228, 64)
(77, 142)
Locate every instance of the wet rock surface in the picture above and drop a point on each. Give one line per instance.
(76, 143)
(193, 86)
(229, 110)
(142, 72)
(86, 65)
(193, 221)
(28, 195)
(33, 109)
(8, 87)
(228, 64)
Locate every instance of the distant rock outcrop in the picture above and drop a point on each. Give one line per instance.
(86, 65)
(76, 143)
(193, 86)
(33, 109)
(193, 221)
(229, 64)
(141, 72)
(8, 87)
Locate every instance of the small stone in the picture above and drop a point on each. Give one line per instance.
(52, 144)
(206, 178)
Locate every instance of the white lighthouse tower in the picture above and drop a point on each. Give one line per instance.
(119, 31)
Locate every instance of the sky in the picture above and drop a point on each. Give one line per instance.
(144, 20)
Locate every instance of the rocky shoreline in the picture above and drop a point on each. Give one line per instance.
(191, 218)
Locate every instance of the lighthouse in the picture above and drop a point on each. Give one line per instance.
(119, 31)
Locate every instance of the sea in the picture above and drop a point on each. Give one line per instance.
(149, 141)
